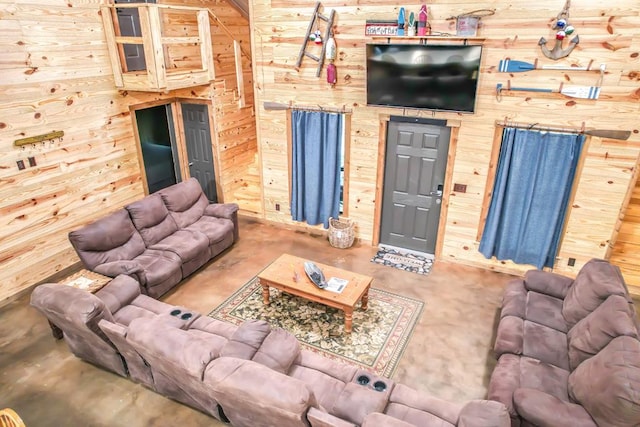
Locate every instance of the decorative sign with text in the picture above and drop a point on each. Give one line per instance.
(381, 28)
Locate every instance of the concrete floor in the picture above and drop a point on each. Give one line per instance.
(448, 356)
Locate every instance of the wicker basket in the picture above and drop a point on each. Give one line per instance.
(341, 233)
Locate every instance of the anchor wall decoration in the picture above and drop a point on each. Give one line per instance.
(564, 29)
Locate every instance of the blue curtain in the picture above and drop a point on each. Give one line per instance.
(530, 196)
(315, 192)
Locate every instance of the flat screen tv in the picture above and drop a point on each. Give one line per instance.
(434, 77)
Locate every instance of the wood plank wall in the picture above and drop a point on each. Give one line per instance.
(609, 34)
(56, 76)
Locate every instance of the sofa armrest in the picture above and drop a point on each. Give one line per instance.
(509, 336)
(225, 210)
(119, 292)
(319, 418)
(484, 413)
(543, 410)
(547, 283)
(128, 267)
(221, 210)
(514, 299)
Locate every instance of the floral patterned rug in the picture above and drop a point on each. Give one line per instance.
(376, 343)
(403, 261)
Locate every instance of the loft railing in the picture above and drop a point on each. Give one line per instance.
(171, 48)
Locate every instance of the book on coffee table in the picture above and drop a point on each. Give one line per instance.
(336, 285)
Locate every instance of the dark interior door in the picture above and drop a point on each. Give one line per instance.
(415, 166)
(129, 22)
(158, 146)
(197, 132)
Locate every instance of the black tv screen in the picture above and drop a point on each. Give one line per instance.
(434, 77)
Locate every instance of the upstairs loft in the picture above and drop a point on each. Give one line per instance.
(159, 48)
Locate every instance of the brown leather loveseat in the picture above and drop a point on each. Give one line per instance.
(160, 239)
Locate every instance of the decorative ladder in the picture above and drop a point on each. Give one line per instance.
(303, 50)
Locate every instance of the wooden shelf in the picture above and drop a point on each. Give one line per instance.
(425, 39)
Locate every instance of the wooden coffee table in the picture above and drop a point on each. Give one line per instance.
(287, 274)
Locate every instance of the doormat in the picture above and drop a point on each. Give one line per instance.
(403, 261)
(379, 337)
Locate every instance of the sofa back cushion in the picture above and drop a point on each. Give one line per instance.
(186, 201)
(172, 351)
(246, 340)
(608, 384)
(151, 218)
(594, 283)
(111, 238)
(612, 318)
(278, 350)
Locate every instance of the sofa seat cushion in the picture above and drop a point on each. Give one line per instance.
(208, 325)
(215, 229)
(534, 306)
(594, 283)
(545, 344)
(545, 310)
(513, 372)
(151, 218)
(324, 376)
(159, 267)
(311, 360)
(420, 409)
(613, 318)
(173, 351)
(542, 409)
(522, 337)
(186, 244)
(608, 384)
(325, 387)
(142, 306)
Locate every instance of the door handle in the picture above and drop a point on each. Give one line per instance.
(437, 193)
(190, 163)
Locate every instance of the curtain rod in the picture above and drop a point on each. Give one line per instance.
(537, 126)
(603, 133)
(275, 106)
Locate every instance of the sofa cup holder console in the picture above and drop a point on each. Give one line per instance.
(181, 317)
(372, 382)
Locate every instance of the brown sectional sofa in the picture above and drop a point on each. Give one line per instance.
(569, 353)
(160, 239)
(249, 375)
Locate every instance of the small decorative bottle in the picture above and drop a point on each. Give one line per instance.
(330, 56)
(401, 22)
(422, 21)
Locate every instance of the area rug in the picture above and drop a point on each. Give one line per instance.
(403, 261)
(379, 337)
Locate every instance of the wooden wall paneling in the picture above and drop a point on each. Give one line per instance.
(608, 35)
(57, 76)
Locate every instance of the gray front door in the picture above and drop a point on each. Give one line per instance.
(197, 132)
(129, 22)
(415, 166)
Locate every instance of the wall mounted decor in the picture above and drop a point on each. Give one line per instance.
(316, 37)
(563, 29)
